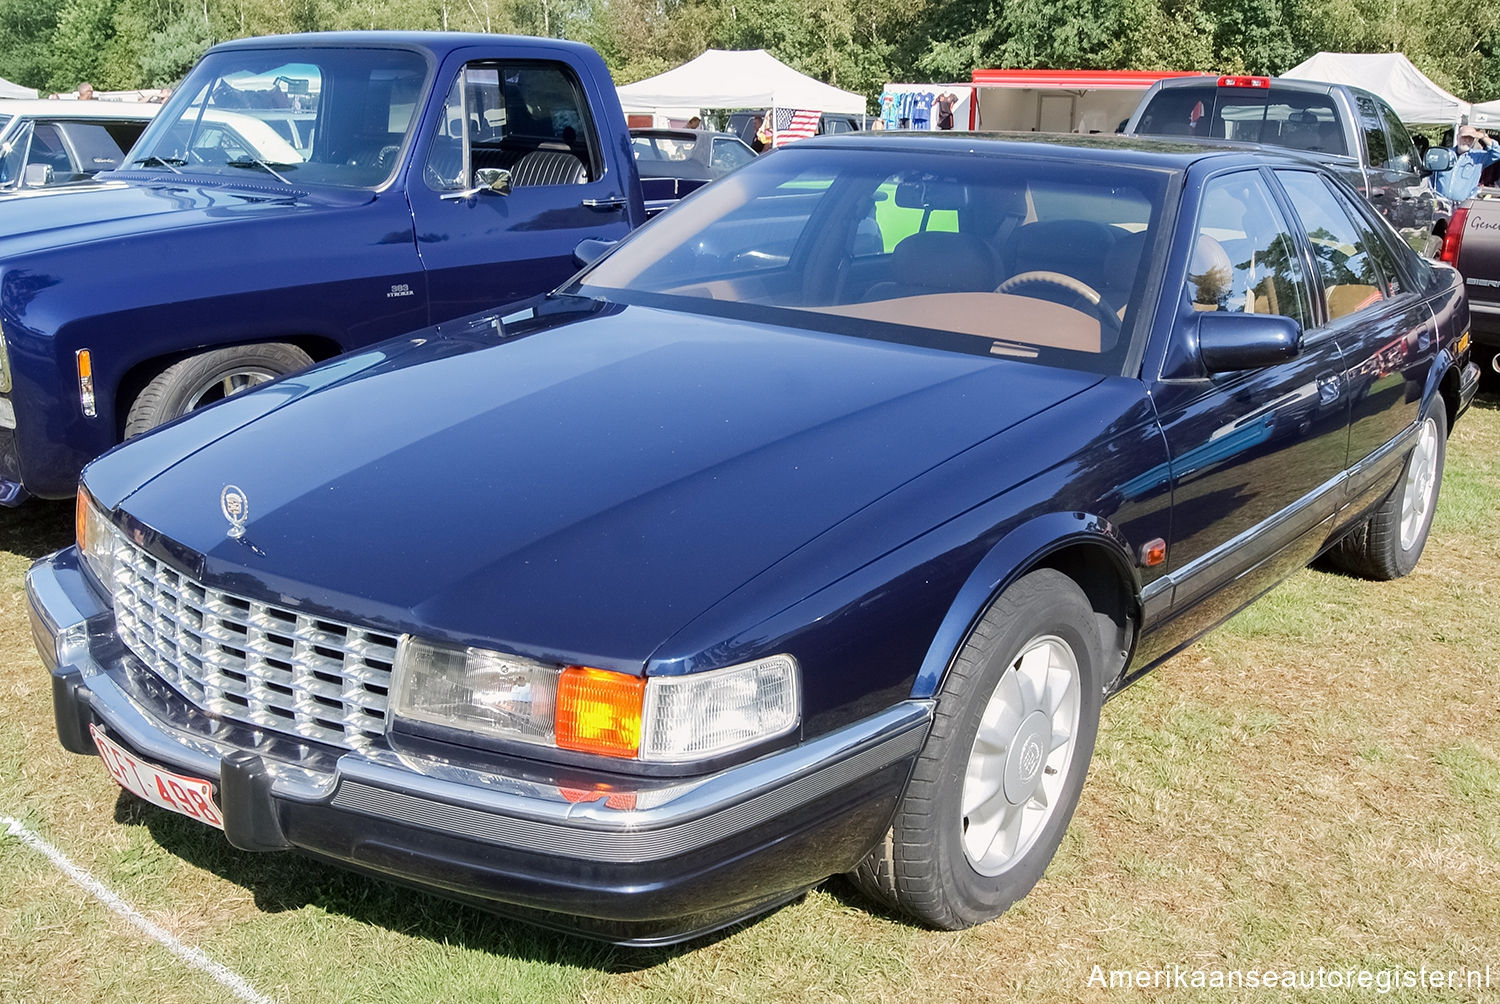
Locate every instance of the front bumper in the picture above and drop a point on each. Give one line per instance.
(634, 861)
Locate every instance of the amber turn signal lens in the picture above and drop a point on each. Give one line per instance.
(81, 521)
(599, 711)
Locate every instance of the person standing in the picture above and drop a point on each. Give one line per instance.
(1473, 152)
(85, 91)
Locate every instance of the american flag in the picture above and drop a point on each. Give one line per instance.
(794, 123)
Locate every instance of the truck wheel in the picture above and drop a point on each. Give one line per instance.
(1388, 544)
(997, 780)
(209, 377)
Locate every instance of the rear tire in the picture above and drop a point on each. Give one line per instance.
(211, 376)
(997, 780)
(1389, 543)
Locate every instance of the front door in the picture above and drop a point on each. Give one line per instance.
(526, 122)
(1257, 455)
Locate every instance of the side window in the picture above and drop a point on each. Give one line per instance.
(1369, 122)
(526, 119)
(1402, 154)
(1342, 250)
(13, 154)
(729, 154)
(1244, 259)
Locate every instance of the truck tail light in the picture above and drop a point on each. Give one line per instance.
(86, 382)
(1261, 82)
(1453, 237)
(599, 711)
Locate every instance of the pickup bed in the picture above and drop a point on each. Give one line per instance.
(1351, 131)
(300, 196)
(1472, 245)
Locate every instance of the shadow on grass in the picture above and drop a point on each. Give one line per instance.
(283, 882)
(36, 528)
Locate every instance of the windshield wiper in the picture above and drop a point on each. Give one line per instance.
(155, 161)
(257, 162)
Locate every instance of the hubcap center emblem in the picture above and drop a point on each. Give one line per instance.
(1025, 765)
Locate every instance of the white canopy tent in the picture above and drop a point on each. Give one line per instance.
(10, 90)
(749, 78)
(1390, 75)
(1486, 115)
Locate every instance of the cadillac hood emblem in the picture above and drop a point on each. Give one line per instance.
(236, 508)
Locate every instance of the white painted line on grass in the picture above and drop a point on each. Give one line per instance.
(192, 956)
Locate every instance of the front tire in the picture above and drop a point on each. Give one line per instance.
(999, 776)
(211, 376)
(1389, 544)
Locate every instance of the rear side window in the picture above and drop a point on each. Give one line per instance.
(1244, 259)
(728, 154)
(1373, 128)
(1279, 117)
(1342, 250)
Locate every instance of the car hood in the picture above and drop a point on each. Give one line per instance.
(113, 208)
(577, 493)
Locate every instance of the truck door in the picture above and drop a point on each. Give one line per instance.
(1395, 187)
(509, 177)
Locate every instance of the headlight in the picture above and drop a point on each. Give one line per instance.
(98, 540)
(672, 719)
(475, 689)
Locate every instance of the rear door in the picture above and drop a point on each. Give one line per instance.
(533, 119)
(1367, 302)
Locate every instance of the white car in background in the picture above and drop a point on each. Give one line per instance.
(56, 144)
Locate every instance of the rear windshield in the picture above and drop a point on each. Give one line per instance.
(1271, 115)
(1035, 258)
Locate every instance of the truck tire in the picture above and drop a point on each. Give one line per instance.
(997, 780)
(1388, 544)
(211, 376)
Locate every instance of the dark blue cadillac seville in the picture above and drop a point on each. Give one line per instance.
(804, 533)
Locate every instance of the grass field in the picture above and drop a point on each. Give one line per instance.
(1316, 785)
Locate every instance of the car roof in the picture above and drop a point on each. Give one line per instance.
(429, 41)
(96, 109)
(1175, 153)
(670, 132)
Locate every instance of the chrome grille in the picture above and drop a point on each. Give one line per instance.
(253, 662)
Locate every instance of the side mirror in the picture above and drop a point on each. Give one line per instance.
(38, 175)
(493, 179)
(1229, 342)
(590, 250)
(1439, 158)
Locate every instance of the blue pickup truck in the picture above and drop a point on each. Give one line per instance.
(300, 196)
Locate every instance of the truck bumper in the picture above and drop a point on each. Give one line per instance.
(1484, 322)
(628, 860)
(1468, 386)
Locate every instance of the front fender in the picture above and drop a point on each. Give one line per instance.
(1025, 547)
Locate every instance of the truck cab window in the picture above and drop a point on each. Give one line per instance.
(529, 119)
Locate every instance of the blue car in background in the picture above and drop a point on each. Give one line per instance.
(765, 549)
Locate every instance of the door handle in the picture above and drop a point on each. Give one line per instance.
(1328, 388)
(618, 202)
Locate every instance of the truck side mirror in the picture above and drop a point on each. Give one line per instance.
(1439, 158)
(493, 179)
(590, 250)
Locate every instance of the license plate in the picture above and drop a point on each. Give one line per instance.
(190, 796)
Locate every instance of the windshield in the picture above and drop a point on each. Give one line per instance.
(305, 116)
(1029, 257)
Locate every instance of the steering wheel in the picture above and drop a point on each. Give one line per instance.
(1106, 314)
